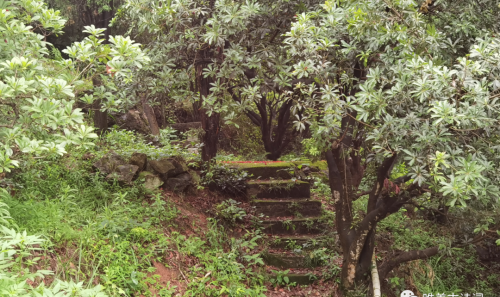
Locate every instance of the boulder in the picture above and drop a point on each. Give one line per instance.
(179, 183)
(151, 181)
(109, 163)
(133, 120)
(195, 177)
(124, 173)
(164, 167)
(140, 160)
(180, 167)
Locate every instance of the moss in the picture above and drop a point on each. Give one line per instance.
(322, 165)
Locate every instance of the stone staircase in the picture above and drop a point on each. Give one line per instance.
(291, 218)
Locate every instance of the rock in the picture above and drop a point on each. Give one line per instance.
(124, 173)
(164, 167)
(179, 183)
(133, 121)
(109, 163)
(195, 177)
(151, 181)
(180, 167)
(140, 160)
(183, 127)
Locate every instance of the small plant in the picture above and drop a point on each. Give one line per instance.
(230, 211)
(321, 188)
(292, 245)
(309, 224)
(281, 278)
(318, 257)
(167, 135)
(397, 284)
(162, 210)
(288, 223)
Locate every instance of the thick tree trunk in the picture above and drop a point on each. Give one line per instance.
(209, 123)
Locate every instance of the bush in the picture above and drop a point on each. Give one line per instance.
(230, 211)
(221, 178)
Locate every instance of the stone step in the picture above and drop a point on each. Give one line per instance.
(287, 207)
(285, 260)
(281, 170)
(306, 242)
(299, 278)
(278, 189)
(300, 226)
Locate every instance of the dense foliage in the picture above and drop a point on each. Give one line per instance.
(38, 93)
(391, 86)
(400, 97)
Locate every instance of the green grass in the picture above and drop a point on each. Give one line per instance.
(99, 231)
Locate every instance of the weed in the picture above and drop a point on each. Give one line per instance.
(309, 224)
(281, 278)
(288, 223)
(230, 211)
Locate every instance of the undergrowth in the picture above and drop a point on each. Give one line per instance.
(96, 232)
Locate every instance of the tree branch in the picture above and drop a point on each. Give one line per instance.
(393, 262)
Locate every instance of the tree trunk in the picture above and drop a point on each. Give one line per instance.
(100, 118)
(209, 123)
(150, 116)
(163, 118)
(196, 104)
(385, 198)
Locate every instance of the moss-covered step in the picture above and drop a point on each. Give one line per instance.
(306, 242)
(287, 207)
(281, 170)
(301, 279)
(293, 227)
(290, 260)
(278, 189)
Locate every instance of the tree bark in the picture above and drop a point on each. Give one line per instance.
(150, 116)
(396, 259)
(163, 122)
(209, 123)
(196, 104)
(100, 118)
